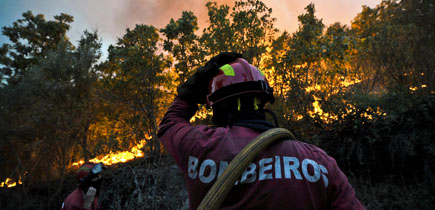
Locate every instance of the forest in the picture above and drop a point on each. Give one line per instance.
(364, 93)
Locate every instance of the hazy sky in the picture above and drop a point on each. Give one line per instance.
(112, 17)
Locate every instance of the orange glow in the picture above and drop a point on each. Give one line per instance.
(9, 183)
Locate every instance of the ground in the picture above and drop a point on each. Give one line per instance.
(140, 184)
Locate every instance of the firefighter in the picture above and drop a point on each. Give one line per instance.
(288, 175)
(85, 196)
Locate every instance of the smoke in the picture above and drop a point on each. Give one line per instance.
(159, 12)
(330, 11)
(111, 17)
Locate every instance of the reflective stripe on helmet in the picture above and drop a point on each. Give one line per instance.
(256, 102)
(228, 70)
(239, 105)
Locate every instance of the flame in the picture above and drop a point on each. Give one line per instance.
(201, 114)
(8, 183)
(377, 112)
(330, 117)
(312, 88)
(318, 111)
(413, 89)
(119, 157)
(347, 83)
(108, 159)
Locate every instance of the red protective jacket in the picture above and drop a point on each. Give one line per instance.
(75, 201)
(288, 175)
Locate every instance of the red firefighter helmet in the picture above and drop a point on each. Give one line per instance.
(90, 171)
(236, 78)
(84, 170)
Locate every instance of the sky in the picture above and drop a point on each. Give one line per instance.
(111, 17)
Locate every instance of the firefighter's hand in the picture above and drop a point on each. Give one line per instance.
(89, 198)
(195, 89)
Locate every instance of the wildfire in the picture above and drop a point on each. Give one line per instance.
(9, 183)
(118, 157)
(108, 159)
(318, 111)
(329, 117)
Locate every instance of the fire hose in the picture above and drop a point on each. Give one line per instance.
(220, 189)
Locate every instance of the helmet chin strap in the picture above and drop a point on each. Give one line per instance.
(275, 119)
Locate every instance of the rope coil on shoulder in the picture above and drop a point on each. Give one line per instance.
(220, 189)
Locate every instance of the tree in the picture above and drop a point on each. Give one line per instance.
(248, 29)
(275, 66)
(311, 70)
(218, 36)
(85, 81)
(183, 44)
(32, 38)
(135, 81)
(253, 29)
(64, 84)
(303, 59)
(394, 51)
(46, 100)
